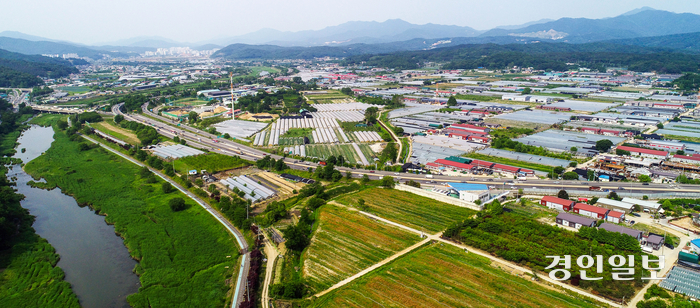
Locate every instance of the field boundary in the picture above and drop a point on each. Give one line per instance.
(438, 197)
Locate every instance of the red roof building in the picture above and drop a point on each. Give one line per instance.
(609, 132)
(644, 152)
(505, 168)
(557, 203)
(454, 165)
(686, 159)
(615, 217)
(590, 210)
(482, 164)
(479, 139)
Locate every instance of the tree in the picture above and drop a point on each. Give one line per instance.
(62, 125)
(622, 152)
(645, 197)
(590, 175)
(680, 152)
(603, 145)
(613, 195)
(570, 175)
(573, 164)
(573, 149)
(348, 175)
(193, 116)
(593, 201)
(387, 182)
(199, 182)
(660, 125)
(371, 115)
(427, 83)
(118, 118)
(563, 194)
(177, 204)
(361, 204)
(167, 188)
(365, 178)
(558, 170)
(452, 101)
(644, 178)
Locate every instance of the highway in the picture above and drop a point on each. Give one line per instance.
(193, 136)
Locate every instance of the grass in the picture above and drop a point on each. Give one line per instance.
(511, 162)
(75, 89)
(182, 255)
(472, 97)
(519, 124)
(682, 138)
(28, 273)
(405, 146)
(189, 101)
(298, 132)
(109, 128)
(408, 209)
(212, 162)
(347, 242)
(440, 275)
(323, 151)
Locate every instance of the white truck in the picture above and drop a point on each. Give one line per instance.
(428, 176)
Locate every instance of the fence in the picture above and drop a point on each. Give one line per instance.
(438, 197)
(585, 193)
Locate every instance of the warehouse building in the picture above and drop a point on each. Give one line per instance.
(644, 152)
(615, 205)
(615, 217)
(590, 211)
(557, 203)
(471, 192)
(620, 229)
(651, 206)
(574, 221)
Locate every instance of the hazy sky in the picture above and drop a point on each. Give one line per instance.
(94, 21)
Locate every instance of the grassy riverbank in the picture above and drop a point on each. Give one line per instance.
(28, 273)
(184, 257)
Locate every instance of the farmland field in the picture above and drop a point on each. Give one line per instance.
(117, 132)
(324, 151)
(408, 209)
(440, 275)
(347, 242)
(212, 162)
(75, 89)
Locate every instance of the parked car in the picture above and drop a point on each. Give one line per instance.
(396, 173)
(668, 245)
(371, 171)
(645, 183)
(632, 223)
(635, 215)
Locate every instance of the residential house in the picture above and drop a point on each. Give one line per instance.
(615, 217)
(620, 229)
(574, 221)
(590, 210)
(557, 203)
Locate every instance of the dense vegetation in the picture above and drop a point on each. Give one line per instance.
(526, 241)
(28, 273)
(688, 82)
(543, 56)
(18, 70)
(182, 254)
(212, 162)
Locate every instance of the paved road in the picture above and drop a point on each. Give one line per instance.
(202, 139)
(245, 266)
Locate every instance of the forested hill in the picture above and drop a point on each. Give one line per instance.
(552, 56)
(19, 70)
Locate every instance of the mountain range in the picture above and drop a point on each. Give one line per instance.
(641, 27)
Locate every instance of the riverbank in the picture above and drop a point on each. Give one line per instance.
(184, 257)
(29, 276)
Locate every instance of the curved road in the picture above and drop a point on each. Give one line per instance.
(205, 140)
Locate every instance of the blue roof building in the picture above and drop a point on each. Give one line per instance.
(468, 187)
(695, 245)
(471, 192)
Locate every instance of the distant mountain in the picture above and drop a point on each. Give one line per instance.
(686, 42)
(43, 47)
(542, 56)
(637, 23)
(351, 33)
(20, 70)
(272, 52)
(536, 22)
(142, 41)
(23, 36)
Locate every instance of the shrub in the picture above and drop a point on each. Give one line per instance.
(177, 204)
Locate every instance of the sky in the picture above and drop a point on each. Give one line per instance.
(100, 21)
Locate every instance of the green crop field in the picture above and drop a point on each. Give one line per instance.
(212, 162)
(347, 242)
(511, 162)
(184, 257)
(188, 101)
(440, 275)
(323, 151)
(75, 89)
(408, 209)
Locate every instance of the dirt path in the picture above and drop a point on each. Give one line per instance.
(436, 237)
(272, 256)
(393, 136)
(106, 128)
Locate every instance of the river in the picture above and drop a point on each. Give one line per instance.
(94, 258)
